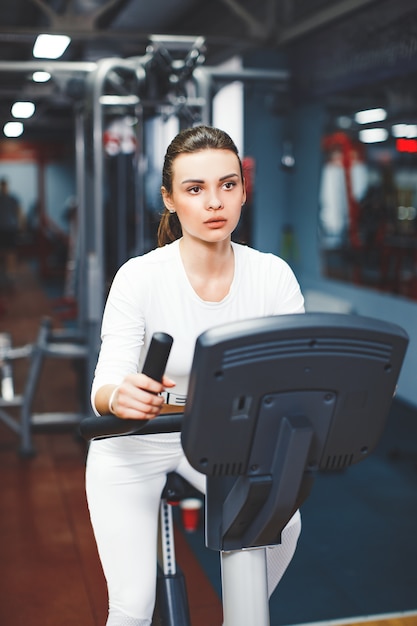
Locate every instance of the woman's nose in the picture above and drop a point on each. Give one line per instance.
(215, 202)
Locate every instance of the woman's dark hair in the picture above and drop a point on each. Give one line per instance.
(186, 142)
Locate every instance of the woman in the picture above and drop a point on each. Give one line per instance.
(196, 279)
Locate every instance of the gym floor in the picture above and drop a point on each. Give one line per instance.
(50, 572)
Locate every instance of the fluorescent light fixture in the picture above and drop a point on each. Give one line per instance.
(110, 100)
(404, 130)
(373, 135)
(370, 116)
(41, 77)
(411, 131)
(399, 130)
(13, 129)
(50, 46)
(23, 109)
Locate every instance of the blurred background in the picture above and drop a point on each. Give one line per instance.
(320, 96)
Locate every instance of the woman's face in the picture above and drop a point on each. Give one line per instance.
(207, 194)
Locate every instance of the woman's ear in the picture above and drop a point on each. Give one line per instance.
(166, 197)
(244, 192)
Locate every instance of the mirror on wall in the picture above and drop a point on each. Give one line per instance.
(368, 188)
(362, 69)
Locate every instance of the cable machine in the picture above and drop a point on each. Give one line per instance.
(169, 82)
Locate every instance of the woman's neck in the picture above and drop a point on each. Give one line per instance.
(209, 267)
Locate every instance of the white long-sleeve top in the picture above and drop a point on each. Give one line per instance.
(151, 293)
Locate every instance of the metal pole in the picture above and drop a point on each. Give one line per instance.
(205, 92)
(96, 253)
(245, 588)
(80, 268)
(104, 67)
(246, 74)
(47, 66)
(140, 168)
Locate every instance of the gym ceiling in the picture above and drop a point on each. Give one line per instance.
(123, 28)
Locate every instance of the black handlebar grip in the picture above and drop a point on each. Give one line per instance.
(157, 356)
(154, 367)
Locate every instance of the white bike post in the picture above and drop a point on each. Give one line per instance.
(245, 587)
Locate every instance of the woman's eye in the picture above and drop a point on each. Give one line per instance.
(229, 185)
(194, 190)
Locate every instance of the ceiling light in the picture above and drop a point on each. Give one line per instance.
(370, 116)
(41, 77)
(50, 46)
(399, 130)
(404, 130)
(23, 109)
(411, 131)
(13, 129)
(373, 135)
(111, 100)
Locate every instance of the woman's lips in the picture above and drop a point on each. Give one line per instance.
(215, 223)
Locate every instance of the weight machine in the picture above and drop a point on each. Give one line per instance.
(169, 81)
(271, 402)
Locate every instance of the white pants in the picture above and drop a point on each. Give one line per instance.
(124, 480)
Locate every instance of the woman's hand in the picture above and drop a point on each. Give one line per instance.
(137, 397)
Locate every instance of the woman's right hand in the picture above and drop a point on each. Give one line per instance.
(137, 397)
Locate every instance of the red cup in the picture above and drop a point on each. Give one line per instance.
(190, 513)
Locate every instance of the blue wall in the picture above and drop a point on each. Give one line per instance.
(270, 207)
(22, 178)
(59, 190)
(282, 197)
(59, 186)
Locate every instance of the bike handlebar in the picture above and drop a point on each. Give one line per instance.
(111, 426)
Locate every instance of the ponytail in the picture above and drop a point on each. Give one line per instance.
(169, 228)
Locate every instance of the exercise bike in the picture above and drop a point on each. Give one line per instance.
(291, 396)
